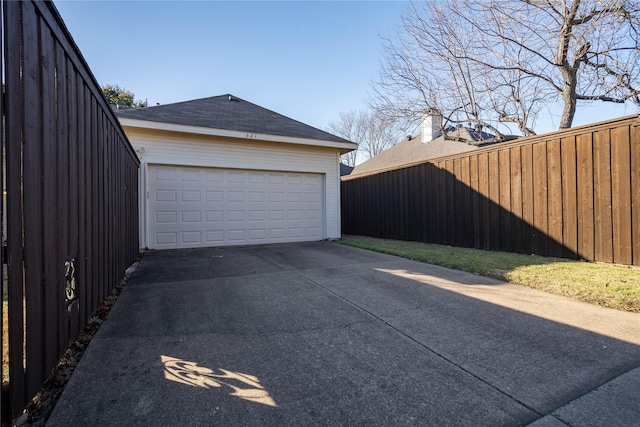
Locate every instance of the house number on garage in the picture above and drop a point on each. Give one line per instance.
(252, 136)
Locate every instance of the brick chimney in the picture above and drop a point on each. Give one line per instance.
(431, 124)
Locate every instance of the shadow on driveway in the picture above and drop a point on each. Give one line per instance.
(324, 334)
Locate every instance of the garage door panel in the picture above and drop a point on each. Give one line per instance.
(313, 215)
(235, 235)
(214, 216)
(293, 197)
(294, 215)
(213, 175)
(295, 233)
(166, 217)
(190, 207)
(165, 195)
(214, 196)
(191, 237)
(165, 174)
(192, 217)
(312, 180)
(312, 232)
(257, 196)
(236, 216)
(214, 237)
(276, 215)
(276, 196)
(255, 216)
(257, 178)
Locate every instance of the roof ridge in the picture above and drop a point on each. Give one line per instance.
(190, 100)
(215, 112)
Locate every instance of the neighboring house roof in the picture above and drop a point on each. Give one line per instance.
(231, 113)
(413, 150)
(470, 136)
(345, 169)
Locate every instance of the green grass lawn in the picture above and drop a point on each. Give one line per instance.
(608, 285)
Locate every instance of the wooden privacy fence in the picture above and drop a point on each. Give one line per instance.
(71, 193)
(573, 193)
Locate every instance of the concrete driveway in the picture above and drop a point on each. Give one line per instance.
(323, 334)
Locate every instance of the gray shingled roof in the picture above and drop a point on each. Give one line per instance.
(228, 112)
(414, 150)
(345, 169)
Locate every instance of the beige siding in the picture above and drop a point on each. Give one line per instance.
(158, 147)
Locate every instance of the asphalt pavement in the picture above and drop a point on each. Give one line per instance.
(324, 334)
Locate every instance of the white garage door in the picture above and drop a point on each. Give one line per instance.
(192, 207)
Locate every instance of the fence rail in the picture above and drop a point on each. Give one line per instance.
(72, 176)
(573, 193)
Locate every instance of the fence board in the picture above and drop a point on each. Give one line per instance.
(516, 198)
(99, 206)
(4, 396)
(65, 190)
(449, 218)
(494, 201)
(465, 238)
(415, 200)
(475, 201)
(366, 220)
(621, 195)
(540, 198)
(75, 316)
(389, 226)
(385, 198)
(504, 182)
(89, 206)
(15, 220)
(602, 196)
(569, 201)
(455, 225)
(434, 203)
(387, 182)
(483, 185)
(635, 191)
(421, 208)
(361, 209)
(49, 316)
(441, 220)
(526, 153)
(397, 226)
(554, 194)
(33, 202)
(586, 226)
(406, 231)
(3, 254)
(376, 222)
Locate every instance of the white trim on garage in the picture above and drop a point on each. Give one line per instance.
(344, 147)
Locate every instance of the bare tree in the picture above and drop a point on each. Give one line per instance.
(372, 132)
(497, 62)
(347, 127)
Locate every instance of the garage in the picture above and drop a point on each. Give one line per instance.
(194, 207)
(222, 171)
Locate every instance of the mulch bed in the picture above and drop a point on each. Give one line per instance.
(41, 406)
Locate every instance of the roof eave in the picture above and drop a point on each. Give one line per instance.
(343, 147)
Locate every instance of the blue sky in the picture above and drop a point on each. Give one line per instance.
(308, 60)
